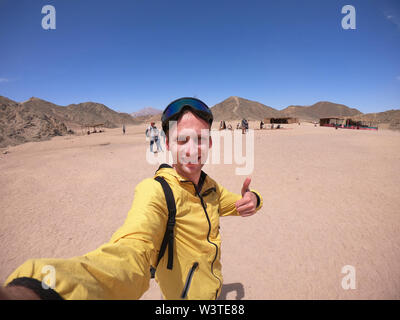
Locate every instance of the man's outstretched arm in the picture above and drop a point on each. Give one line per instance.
(116, 270)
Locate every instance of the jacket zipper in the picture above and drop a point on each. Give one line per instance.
(208, 239)
(189, 280)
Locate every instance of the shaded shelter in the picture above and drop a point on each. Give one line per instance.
(97, 127)
(331, 122)
(287, 120)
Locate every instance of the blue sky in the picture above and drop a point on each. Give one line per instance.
(138, 53)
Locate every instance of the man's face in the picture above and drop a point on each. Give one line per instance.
(189, 141)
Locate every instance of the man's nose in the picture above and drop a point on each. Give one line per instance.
(191, 147)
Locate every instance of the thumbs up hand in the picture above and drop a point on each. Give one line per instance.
(248, 204)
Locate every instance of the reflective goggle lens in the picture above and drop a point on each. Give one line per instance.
(176, 107)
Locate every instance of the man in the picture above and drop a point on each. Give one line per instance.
(245, 126)
(120, 268)
(152, 133)
(157, 138)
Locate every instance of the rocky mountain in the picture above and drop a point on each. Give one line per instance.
(391, 118)
(18, 124)
(150, 118)
(37, 119)
(235, 108)
(91, 112)
(82, 113)
(322, 109)
(148, 111)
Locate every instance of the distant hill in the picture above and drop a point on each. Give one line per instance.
(150, 118)
(82, 113)
(4, 100)
(91, 112)
(390, 117)
(235, 108)
(322, 109)
(18, 124)
(37, 119)
(148, 111)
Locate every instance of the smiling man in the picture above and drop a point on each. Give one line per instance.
(120, 269)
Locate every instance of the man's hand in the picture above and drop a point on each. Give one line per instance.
(248, 204)
(17, 293)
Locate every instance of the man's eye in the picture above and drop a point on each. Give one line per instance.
(182, 140)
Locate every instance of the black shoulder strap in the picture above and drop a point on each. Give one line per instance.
(169, 232)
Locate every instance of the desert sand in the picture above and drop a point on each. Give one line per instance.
(331, 199)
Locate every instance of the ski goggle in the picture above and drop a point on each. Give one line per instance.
(175, 108)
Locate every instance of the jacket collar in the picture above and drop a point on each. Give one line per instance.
(164, 167)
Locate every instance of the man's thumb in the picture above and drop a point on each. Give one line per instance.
(246, 185)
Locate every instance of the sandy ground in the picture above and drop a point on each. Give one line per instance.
(331, 199)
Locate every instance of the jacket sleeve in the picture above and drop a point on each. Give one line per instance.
(228, 199)
(118, 269)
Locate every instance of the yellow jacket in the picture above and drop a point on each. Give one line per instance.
(119, 269)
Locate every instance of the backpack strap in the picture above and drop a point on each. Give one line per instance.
(168, 239)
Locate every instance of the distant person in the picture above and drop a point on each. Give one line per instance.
(123, 128)
(245, 126)
(272, 126)
(222, 125)
(157, 138)
(152, 133)
(261, 125)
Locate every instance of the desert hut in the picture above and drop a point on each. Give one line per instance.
(331, 122)
(280, 120)
(97, 127)
(350, 123)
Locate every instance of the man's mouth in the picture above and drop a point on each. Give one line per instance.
(191, 163)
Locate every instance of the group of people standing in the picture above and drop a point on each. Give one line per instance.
(244, 125)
